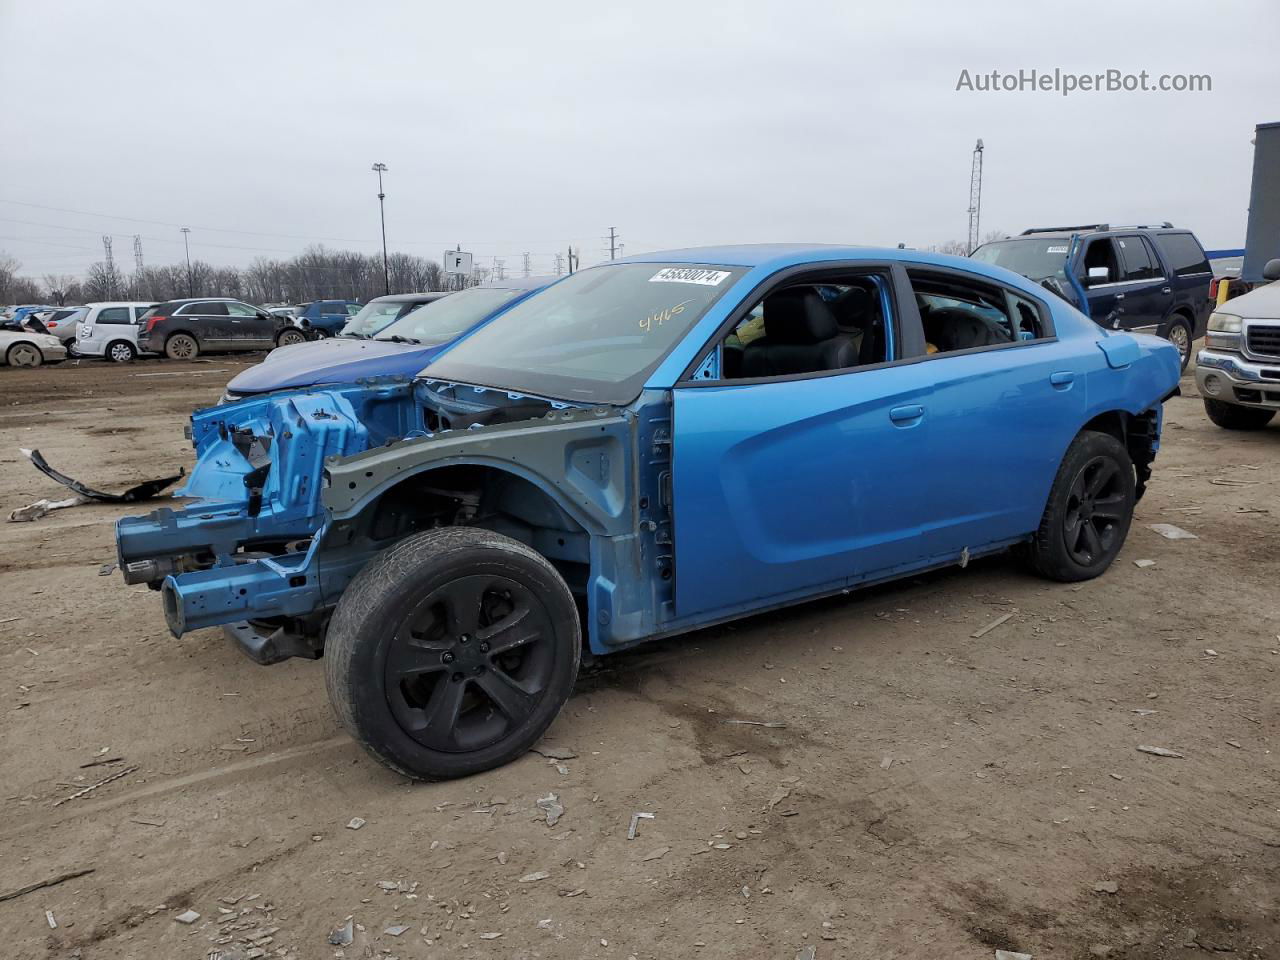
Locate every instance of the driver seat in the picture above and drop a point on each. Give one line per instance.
(800, 336)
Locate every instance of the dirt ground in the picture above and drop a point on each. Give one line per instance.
(914, 792)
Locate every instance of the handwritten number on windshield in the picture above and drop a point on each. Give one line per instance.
(662, 316)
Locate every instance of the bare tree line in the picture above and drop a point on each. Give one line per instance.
(316, 273)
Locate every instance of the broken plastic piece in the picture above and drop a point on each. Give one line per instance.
(36, 510)
(142, 491)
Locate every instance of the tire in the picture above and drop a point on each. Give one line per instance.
(120, 351)
(288, 338)
(24, 355)
(181, 346)
(1096, 472)
(1180, 335)
(1232, 416)
(453, 588)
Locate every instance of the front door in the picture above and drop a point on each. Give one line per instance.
(796, 487)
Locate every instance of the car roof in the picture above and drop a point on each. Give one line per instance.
(517, 283)
(426, 297)
(121, 303)
(767, 258)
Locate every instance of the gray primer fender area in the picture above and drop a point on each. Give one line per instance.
(582, 458)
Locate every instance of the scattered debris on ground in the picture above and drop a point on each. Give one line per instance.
(635, 823)
(551, 806)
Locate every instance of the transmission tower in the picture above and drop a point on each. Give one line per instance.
(975, 197)
(613, 243)
(559, 264)
(499, 268)
(111, 266)
(525, 267)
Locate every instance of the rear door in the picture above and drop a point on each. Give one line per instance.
(1006, 398)
(209, 322)
(1145, 291)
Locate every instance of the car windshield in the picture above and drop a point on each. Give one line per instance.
(449, 317)
(593, 337)
(1035, 258)
(372, 318)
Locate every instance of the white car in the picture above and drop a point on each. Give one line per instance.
(111, 330)
(64, 322)
(21, 348)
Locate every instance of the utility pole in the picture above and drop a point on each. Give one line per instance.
(380, 169)
(186, 231)
(613, 243)
(575, 260)
(975, 197)
(525, 268)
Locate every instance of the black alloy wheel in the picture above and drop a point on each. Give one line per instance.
(469, 664)
(1095, 507)
(452, 651)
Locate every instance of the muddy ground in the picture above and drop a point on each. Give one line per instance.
(919, 792)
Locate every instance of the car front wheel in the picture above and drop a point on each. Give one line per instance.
(1090, 507)
(452, 652)
(1232, 416)
(121, 352)
(288, 338)
(181, 346)
(24, 355)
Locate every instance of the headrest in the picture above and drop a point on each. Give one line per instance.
(853, 308)
(798, 316)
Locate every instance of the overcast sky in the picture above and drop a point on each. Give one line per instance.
(518, 126)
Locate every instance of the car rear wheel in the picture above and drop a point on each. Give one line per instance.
(1179, 334)
(288, 338)
(181, 346)
(121, 352)
(452, 652)
(1090, 507)
(24, 355)
(1231, 416)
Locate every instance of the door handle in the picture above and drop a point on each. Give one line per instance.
(907, 414)
(1166, 289)
(1062, 379)
(1119, 296)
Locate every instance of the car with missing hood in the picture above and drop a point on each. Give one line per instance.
(23, 344)
(1238, 371)
(398, 350)
(648, 447)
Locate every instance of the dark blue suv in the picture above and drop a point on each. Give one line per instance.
(324, 318)
(1152, 279)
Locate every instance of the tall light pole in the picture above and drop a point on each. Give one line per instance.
(380, 169)
(187, 246)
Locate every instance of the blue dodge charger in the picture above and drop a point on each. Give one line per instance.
(647, 447)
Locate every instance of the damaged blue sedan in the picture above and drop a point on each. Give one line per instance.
(648, 447)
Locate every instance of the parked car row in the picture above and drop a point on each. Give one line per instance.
(182, 329)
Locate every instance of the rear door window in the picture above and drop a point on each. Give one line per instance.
(213, 308)
(1135, 260)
